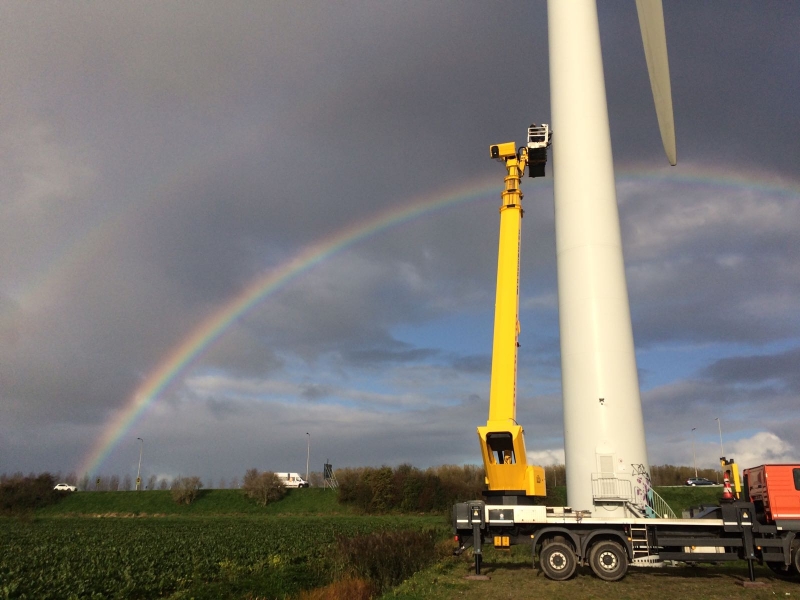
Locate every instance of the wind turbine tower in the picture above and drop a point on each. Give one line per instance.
(606, 454)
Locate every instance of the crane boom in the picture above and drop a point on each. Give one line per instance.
(502, 439)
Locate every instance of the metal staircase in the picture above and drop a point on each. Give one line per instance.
(659, 506)
(609, 488)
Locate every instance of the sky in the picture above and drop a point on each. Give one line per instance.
(252, 233)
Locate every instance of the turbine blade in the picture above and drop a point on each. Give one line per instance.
(654, 38)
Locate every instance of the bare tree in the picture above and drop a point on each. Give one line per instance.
(263, 487)
(151, 482)
(71, 478)
(222, 483)
(234, 483)
(83, 484)
(186, 489)
(113, 483)
(163, 484)
(127, 482)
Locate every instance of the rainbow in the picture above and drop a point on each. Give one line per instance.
(214, 326)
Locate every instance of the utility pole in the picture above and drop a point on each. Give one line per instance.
(694, 454)
(308, 454)
(139, 470)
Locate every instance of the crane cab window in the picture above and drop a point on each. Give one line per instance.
(501, 448)
(796, 473)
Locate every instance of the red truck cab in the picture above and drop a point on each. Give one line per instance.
(775, 491)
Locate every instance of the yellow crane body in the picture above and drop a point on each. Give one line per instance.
(502, 440)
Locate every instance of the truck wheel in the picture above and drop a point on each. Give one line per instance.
(608, 560)
(782, 571)
(557, 561)
(796, 548)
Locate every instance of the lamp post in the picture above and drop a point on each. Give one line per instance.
(694, 454)
(721, 449)
(308, 454)
(139, 470)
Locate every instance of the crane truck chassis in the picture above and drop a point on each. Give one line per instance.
(757, 528)
(564, 538)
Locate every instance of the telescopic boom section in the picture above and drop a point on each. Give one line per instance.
(502, 442)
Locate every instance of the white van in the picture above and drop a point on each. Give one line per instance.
(292, 480)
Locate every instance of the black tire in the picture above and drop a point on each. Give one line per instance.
(796, 561)
(782, 571)
(557, 561)
(608, 560)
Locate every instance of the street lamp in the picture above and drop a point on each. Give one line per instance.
(721, 449)
(308, 454)
(694, 454)
(139, 470)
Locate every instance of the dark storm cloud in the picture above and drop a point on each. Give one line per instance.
(780, 369)
(313, 392)
(398, 353)
(701, 268)
(728, 66)
(156, 159)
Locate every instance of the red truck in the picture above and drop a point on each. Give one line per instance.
(775, 492)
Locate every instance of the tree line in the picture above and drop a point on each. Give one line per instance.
(21, 494)
(115, 483)
(406, 488)
(369, 488)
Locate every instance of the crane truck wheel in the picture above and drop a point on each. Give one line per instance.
(796, 561)
(608, 560)
(782, 571)
(557, 561)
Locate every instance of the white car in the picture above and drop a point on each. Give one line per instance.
(65, 487)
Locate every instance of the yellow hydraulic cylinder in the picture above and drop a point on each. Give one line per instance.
(502, 440)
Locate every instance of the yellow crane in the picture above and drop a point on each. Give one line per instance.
(508, 473)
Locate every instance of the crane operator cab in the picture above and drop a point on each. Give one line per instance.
(539, 138)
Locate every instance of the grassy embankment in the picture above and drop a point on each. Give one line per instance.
(312, 501)
(681, 498)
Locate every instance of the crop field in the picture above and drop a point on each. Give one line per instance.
(143, 545)
(208, 557)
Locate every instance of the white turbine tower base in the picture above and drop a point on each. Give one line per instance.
(605, 448)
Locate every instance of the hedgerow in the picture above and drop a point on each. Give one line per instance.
(406, 488)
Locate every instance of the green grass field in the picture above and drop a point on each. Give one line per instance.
(511, 577)
(681, 498)
(144, 545)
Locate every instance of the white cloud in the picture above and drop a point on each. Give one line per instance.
(551, 456)
(763, 448)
